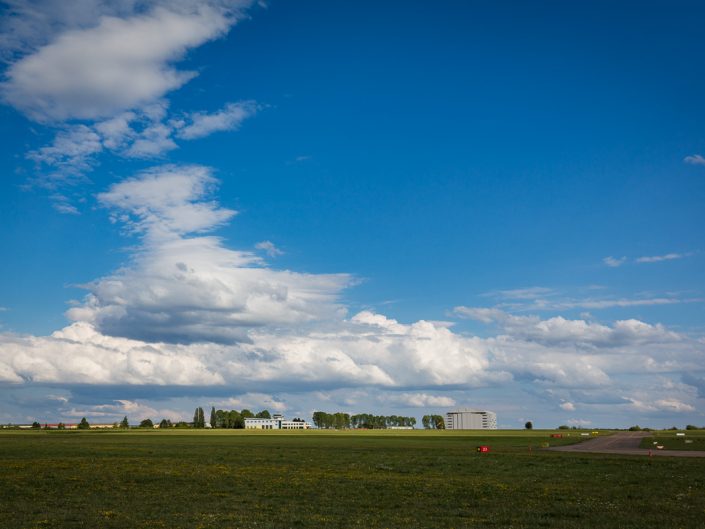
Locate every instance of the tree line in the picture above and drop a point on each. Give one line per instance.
(433, 422)
(228, 419)
(339, 420)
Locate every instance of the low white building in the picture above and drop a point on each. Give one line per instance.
(277, 422)
(467, 419)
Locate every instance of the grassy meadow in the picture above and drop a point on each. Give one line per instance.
(248, 479)
(692, 440)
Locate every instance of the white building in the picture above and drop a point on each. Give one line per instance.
(468, 419)
(277, 422)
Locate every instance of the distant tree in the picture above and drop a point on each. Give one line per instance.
(147, 423)
(124, 423)
(247, 414)
(213, 417)
(635, 428)
(673, 428)
(264, 414)
(564, 427)
(36, 425)
(687, 427)
(165, 423)
(317, 419)
(182, 424)
(199, 418)
(83, 425)
(529, 425)
(438, 422)
(426, 421)
(61, 426)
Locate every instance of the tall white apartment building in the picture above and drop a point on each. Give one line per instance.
(468, 419)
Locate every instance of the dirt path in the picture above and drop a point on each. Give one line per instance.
(626, 443)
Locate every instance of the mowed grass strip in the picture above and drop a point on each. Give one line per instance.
(688, 440)
(219, 479)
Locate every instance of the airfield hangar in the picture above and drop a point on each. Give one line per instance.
(467, 419)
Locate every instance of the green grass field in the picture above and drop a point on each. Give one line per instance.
(670, 441)
(222, 479)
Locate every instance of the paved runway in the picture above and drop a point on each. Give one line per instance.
(626, 443)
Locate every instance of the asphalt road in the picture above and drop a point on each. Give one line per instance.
(626, 443)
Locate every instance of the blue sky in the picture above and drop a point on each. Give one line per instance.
(348, 206)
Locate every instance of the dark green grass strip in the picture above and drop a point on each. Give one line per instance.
(216, 480)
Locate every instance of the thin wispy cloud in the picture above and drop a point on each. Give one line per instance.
(269, 248)
(614, 262)
(201, 124)
(521, 293)
(659, 258)
(145, 133)
(695, 159)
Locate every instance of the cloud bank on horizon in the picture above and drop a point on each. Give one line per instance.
(187, 313)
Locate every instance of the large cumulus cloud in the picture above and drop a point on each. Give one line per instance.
(186, 310)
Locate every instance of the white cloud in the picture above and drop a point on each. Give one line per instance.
(187, 311)
(559, 330)
(521, 293)
(580, 423)
(253, 402)
(79, 354)
(152, 142)
(482, 314)
(355, 352)
(269, 248)
(610, 303)
(186, 289)
(71, 151)
(418, 400)
(659, 258)
(119, 64)
(614, 262)
(557, 303)
(660, 405)
(110, 65)
(167, 201)
(29, 24)
(229, 118)
(144, 133)
(695, 159)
